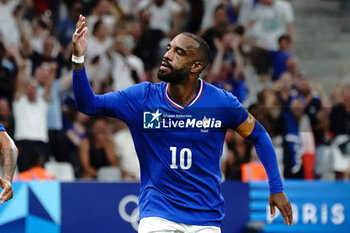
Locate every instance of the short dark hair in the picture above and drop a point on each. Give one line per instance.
(203, 48)
(219, 7)
(285, 37)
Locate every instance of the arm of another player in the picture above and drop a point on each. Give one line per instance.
(8, 154)
(256, 133)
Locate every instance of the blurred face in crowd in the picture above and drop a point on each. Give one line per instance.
(49, 46)
(304, 86)
(285, 82)
(42, 73)
(100, 128)
(103, 7)
(220, 16)
(134, 29)
(124, 44)
(227, 40)
(100, 30)
(297, 107)
(292, 65)
(75, 10)
(285, 45)
(5, 111)
(30, 90)
(181, 55)
(145, 17)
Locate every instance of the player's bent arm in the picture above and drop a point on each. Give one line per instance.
(256, 133)
(8, 154)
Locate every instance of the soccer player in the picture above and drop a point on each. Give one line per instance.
(8, 156)
(178, 127)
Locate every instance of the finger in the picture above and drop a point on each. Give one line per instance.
(80, 25)
(85, 33)
(7, 196)
(284, 215)
(80, 20)
(2, 194)
(272, 210)
(2, 185)
(289, 212)
(78, 34)
(80, 28)
(290, 206)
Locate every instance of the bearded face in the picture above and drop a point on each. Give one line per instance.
(180, 60)
(167, 73)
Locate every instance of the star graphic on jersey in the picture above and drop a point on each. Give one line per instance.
(156, 115)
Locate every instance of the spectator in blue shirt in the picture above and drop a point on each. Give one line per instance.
(280, 56)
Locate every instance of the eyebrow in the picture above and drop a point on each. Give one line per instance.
(178, 48)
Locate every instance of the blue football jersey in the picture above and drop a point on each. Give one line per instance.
(179, 148)
(2, 127)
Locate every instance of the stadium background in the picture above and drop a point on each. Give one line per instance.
(73, 203)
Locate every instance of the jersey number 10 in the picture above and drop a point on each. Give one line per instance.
(184, 152)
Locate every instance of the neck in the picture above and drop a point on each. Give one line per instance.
(183, 93)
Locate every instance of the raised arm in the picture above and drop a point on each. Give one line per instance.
(236, 40)
(218, 60)
(8, 157)
(122, 104)
(85, 99)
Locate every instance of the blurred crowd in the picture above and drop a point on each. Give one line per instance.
(251, 43)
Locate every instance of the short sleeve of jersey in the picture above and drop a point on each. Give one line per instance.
(2, 127)
(124, 104)
(235, 111)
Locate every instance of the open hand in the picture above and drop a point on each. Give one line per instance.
(281, 201)
(79, 37)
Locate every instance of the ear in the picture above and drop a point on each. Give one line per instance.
(197, 67)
